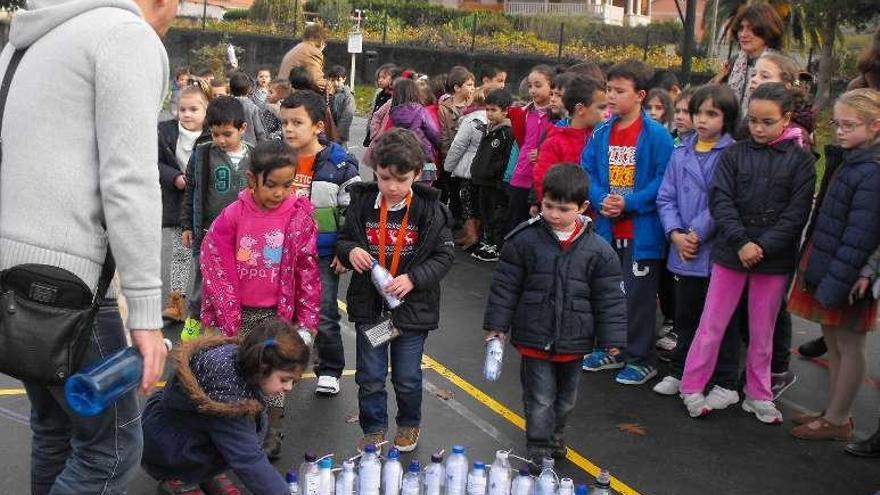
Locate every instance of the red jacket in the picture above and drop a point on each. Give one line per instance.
(563, 145)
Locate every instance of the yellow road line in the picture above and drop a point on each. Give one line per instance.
(11, 391)
(505, 412)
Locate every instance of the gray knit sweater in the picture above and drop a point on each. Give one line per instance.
(80, 148)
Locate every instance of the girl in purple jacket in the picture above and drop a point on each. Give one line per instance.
(683, 205)
(407, 112)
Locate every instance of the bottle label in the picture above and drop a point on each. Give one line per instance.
(476, 485)
(312, 485)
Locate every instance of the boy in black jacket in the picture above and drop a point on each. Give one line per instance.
(487, 173)
(557, 288)
(406, 229)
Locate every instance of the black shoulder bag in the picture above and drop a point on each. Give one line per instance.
(46, 312)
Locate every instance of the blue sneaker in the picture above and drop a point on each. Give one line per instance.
(636, 375)
(599, 360)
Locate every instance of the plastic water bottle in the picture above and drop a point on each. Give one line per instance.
(494, 357)
(476, 480)
(308, 474)
(547, 483)
(523, 484)
(581, 490)
(381, 278)
(370, 472)
(292, 483)
(392, 473)
(499, 474)
(346, 482)
(456, 471)
(326, 478)
(603, 484)
(412, 480)
(92, 389)
(566, 487)
(435, 476)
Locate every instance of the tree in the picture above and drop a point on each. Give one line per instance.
(10, 5)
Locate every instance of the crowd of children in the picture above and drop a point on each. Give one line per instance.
(598, 195)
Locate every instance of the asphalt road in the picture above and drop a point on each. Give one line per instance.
(647, 441)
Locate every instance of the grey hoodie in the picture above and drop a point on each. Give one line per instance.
(80, 148)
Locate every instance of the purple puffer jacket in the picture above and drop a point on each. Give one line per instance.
(683, 202)
(415, 118)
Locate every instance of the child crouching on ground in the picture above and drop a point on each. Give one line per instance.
(556, 251)
(210, 417)
(405, 227)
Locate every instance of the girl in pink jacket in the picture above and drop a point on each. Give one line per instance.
(260, 261)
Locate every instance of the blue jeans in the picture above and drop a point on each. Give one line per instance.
(549, 396)
(331, 354)
(71, 454)
(406, 377)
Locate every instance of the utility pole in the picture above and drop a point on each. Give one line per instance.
(687, 51)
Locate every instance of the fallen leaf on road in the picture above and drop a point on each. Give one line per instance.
(632, 429)
(352, 419)
(444, 394)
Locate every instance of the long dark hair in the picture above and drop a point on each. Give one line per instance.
(405, 91)
(273, 345)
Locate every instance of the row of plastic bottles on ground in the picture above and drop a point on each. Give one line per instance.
(319, 477)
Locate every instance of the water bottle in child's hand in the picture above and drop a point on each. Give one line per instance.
(382, 278)
(494, 358)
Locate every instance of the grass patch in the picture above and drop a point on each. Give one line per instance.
(363, 98)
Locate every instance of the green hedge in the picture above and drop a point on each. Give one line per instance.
(236, 15)
(411, 13)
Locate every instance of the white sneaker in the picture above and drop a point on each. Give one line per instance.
(696, 405)
(668, 342)
(721, 398)
(327, 385)
(667, 386)
(764, 410)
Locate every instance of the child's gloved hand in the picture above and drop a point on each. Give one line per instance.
(360, 260)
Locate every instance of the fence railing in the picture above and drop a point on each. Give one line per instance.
(609, 14)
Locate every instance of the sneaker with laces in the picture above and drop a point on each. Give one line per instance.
(634, 374)
(668, 342)
(720, 398)
(487, 252)
(764, 410)
(668, 385)
(192, 329)
(407, 438)
(371, 438)
(780, 382)
(600, 359)
(220, 485)
(696, 405)
(177, 487)
(327, 385)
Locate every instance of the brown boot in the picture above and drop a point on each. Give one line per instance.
(176, 309)
(275, 433)
(471, 233)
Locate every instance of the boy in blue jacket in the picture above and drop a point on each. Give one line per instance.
(626, 159)
(324, 172)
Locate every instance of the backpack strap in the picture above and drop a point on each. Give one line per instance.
(4, 89)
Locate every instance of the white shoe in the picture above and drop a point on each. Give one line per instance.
(764, 410)
(721, 398)
(668, 385)
(327, 385)
(696, 405)
(668, 342)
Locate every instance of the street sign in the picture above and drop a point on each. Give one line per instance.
(356, 42)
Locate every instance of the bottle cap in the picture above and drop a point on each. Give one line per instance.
(547, 462)
(394, 454)
(370, 448)
(457, 449)
(291, 476)
(479, 465)
(436, 458)
(326, 463)
(414, 467)
(310, 457)
(524, 471)
(581, 490)
(604, 478)
(502, 454)
(348, 465)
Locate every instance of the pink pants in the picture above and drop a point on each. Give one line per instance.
(725, 289)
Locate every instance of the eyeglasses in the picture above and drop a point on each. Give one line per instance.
(763, 123)
(846, 127)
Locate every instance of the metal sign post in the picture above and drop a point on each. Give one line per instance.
(355, 42)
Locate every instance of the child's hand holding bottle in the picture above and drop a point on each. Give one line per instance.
(360, 260)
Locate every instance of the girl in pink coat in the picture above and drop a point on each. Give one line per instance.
(260, 261)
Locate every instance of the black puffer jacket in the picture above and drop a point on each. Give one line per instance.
(847, 227)
(172, 197)
(429, 264)
(490, 162)
(763, 194)
(557, 301)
